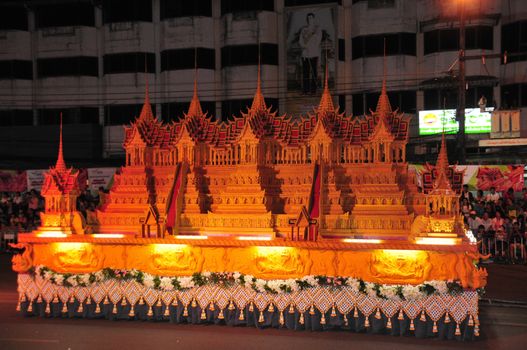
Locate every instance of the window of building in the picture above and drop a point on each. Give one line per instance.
(15, 117)
(405, 101)
(310, 2)
(380, 4)
(476, 37)
(358, 104)
(67, 66)
(373, 45)
(342, 50)
(514, 41)
(514, 95)
(235, 6)
(130, 62)
(13, 18)
(127, 11)
(449, 40)
(16, 69)
(121, 114)
(184, 59)
(342, 103)
(235, 107)
(174, 111)
(77, 115)
(173, 9)
(241, 55)
(440, 98)
(61, 15)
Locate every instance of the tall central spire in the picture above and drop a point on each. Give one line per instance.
(326, 101)
(194, 110)
(442, 167)
(384, 109)
(146, 111)
(258, 104)
(60, 165)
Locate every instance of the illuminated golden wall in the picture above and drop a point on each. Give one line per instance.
(268, 262)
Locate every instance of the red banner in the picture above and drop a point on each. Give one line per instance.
(13, 181)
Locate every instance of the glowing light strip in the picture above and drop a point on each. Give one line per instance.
(253, 238)
(108, 235)
(437, 241)
(361, 240)
(191, 237)
(56, 234)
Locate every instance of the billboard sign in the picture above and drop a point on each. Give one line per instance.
(476, 122)
(311, 44)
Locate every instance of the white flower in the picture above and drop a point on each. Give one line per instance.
(166, 283)
(206, 274)
(48, 275)
(440, 286)
(310, 280)
(372, 293)
(389, 292)
(148, 280)
(72, 281)
(411, 292)
(236, 275)
(248, 281)
(274, 285)
(99, 276)
(260, 285)
(186, 282)
(59, 279)
(353, 283)
(85, 278)
(293, 285)
(38, 269)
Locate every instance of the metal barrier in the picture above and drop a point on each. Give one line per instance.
(517, 244)
(504, 251)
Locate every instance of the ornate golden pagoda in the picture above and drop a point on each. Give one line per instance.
(60, 191)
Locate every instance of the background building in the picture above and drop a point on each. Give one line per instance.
(90, 60)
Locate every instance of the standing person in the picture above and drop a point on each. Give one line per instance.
(309, 41)
(466, 194)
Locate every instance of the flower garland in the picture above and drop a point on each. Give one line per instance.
(228, 279)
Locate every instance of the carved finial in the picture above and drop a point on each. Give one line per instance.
(258, 104)
(442, 166)
(146, 111)
(60, 165)
(384, 109)
(326, 102)
(194, 110)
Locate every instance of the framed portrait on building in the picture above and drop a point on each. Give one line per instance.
(310, 46)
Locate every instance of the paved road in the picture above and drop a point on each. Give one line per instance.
(502, 327)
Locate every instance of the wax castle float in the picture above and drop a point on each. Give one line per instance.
(264, 219)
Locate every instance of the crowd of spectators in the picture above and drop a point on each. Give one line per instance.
(498, 221)
(19, 212)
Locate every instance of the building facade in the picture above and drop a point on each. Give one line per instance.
(90, 60)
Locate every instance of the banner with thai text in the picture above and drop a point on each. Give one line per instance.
(100, 177)
(35, 179)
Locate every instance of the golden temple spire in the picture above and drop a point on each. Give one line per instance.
(258, 104)
(60, 165)
(146, 111)
(326, 101)
(384, 109)
(194, 110)
(442, 166)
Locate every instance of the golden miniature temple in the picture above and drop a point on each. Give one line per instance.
(266, 204)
